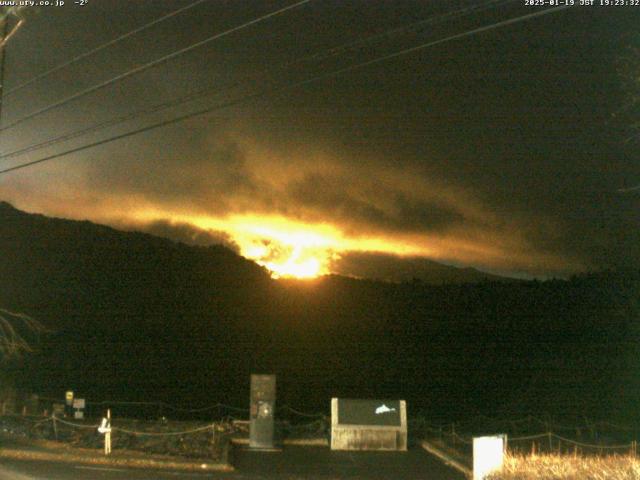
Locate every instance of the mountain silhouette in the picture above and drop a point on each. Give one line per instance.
(137, 317)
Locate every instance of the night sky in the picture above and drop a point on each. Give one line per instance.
(512, 150)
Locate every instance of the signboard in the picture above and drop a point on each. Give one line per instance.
(488, 455)
(78, 415)
(78, 403)
(369, 412)
(368, 424)
(262, 409)
(69, 397)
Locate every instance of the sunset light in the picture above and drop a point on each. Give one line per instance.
(289, 248)
(296, 268)
(379, 213)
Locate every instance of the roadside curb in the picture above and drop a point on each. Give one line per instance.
(114, 460)
(301, 442)
(447, 459)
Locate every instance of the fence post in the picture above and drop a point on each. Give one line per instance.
(107, 435)
(213, 437)
(55, 426)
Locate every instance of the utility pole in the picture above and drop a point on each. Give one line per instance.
(6, 34)
(3, 56)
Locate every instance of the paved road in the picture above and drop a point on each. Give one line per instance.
(293, 463)
(42, 470)
(297, 463)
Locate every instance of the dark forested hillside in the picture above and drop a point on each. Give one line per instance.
(138, 317)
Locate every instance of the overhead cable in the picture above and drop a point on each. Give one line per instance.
(101, 47)
(333, 51)
(284, 87)
(146, 66)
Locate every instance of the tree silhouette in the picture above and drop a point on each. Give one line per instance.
(14, 328)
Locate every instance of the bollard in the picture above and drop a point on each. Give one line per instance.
(107, 436)
(105, 428)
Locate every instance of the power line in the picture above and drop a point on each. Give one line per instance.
(333, 51)
(403, 29)
(148, 65)
(630, 189)
(101, 47)
(137, 131)
(283, 87)
(468, 33)
(117, 120)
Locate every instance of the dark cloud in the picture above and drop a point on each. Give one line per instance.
(188, 234)
(495, 150)
(210, 174)
(405, 269)
(370, 206)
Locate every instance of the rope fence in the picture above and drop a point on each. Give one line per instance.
(320, 424)
(523, 433)
(545, 442)
(158, 404)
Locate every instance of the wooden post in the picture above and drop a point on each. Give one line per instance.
(107, 435)
(55, 426)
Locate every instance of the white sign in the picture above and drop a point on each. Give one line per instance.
(104, 426)
(384, 409)
(78, 415)
(488, 455)
(78, 403)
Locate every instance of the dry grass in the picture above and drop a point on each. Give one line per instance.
(569, 467)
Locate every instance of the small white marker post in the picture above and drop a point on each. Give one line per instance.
(105, 428)
(488, 455)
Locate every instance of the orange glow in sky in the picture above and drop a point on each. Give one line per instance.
(285, 247)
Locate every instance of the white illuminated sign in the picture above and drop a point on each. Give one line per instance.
(488, 455)
(384, 409)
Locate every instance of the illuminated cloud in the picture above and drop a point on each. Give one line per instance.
(450, 154)
(296, 215)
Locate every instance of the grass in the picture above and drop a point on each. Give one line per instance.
(569, 467)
